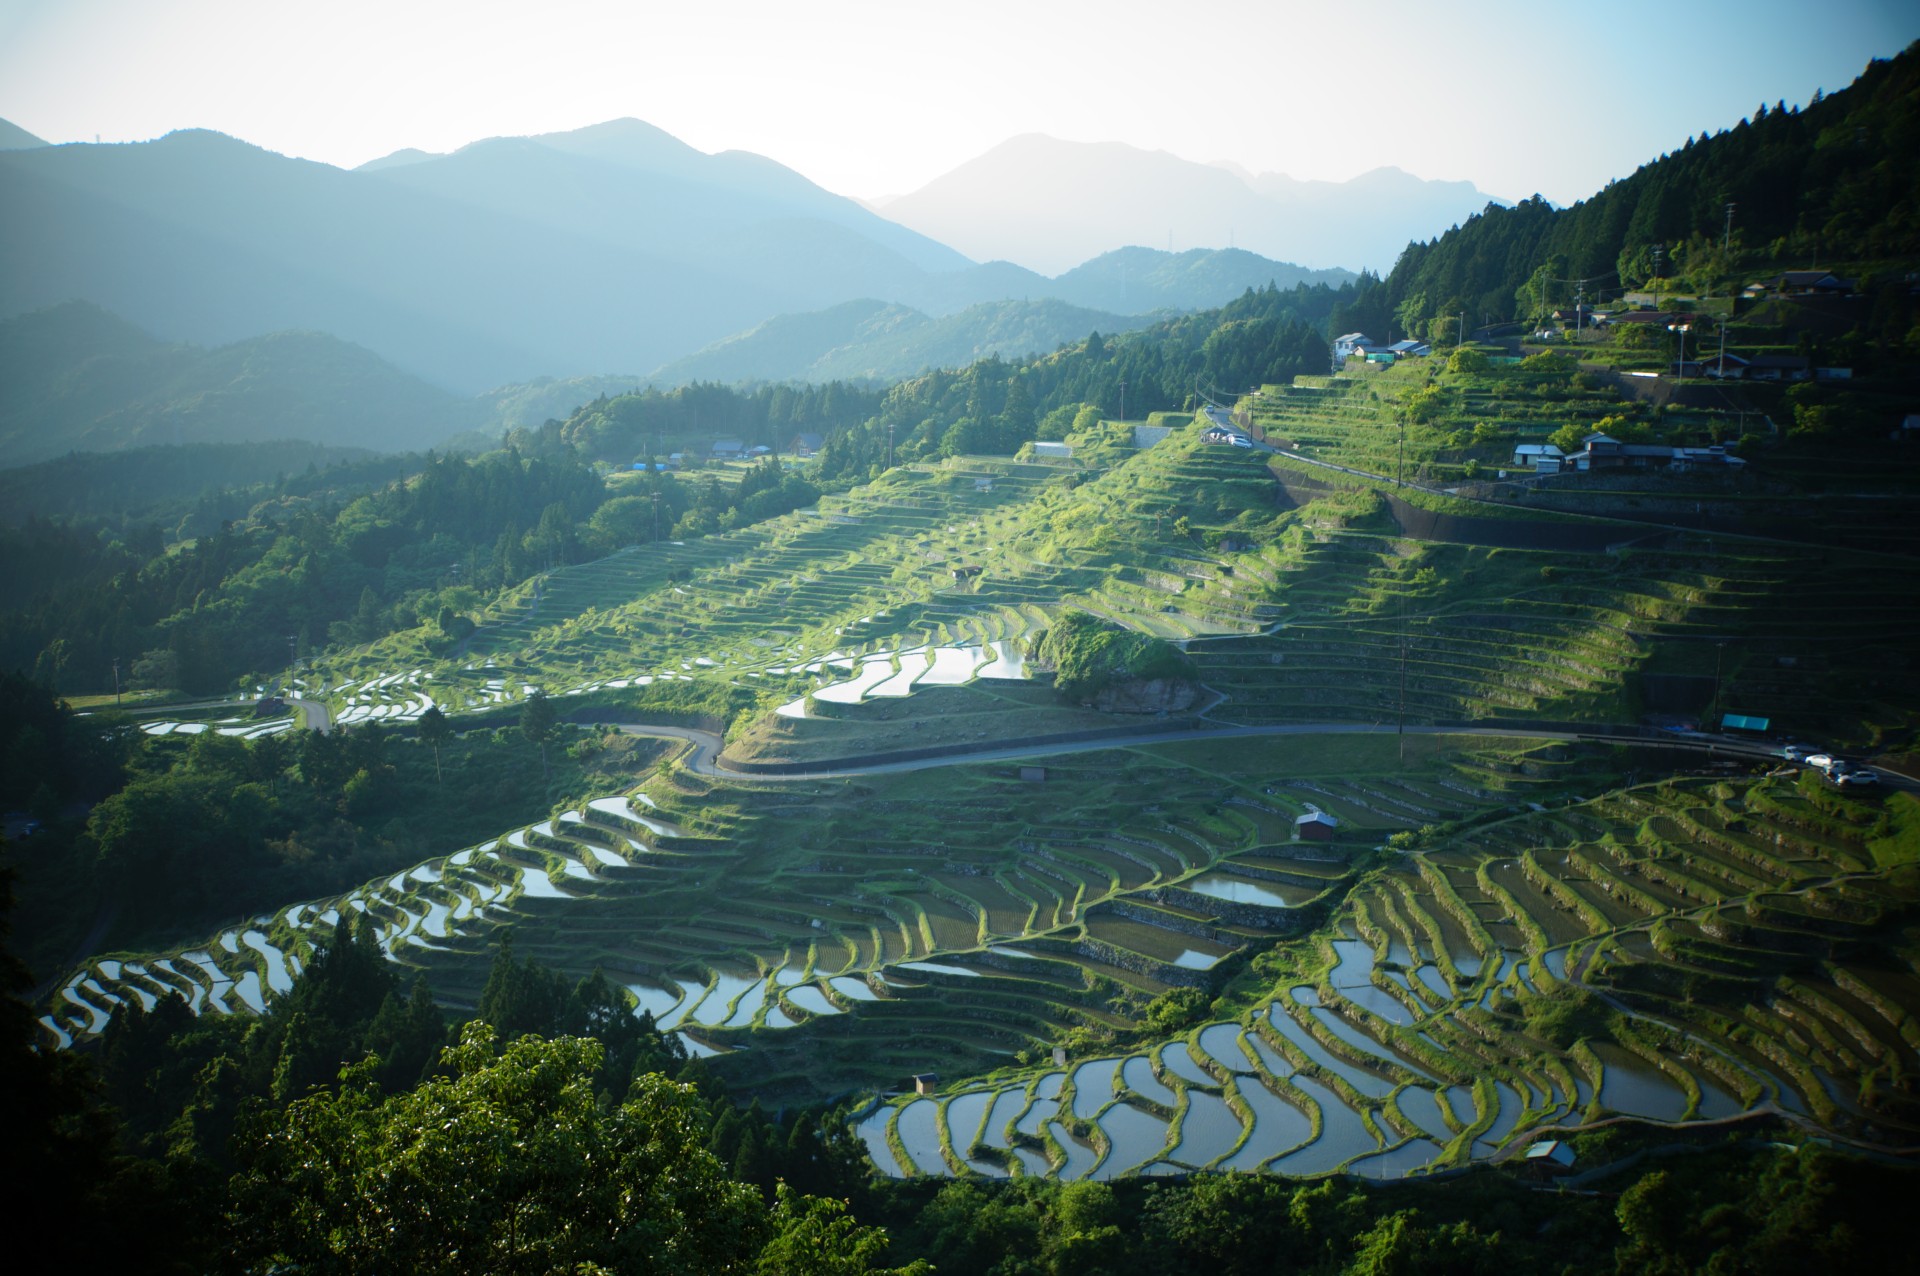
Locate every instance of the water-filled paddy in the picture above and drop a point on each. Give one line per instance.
(1367, 1083)
(1278, 1127)
(1398, 1162)
(1080, 1156)
(1135, 1138)
(1093, 1086)
(1421, 1108)
(1360, 1041)
(1634, 1087)
(1342, 1135)
(1008, 662)
(1137, 1073)
(873, 672)
(1504, 1119)
(936, 968)
(872, 1131)
(912, 665)
(535, 882)
(749, 1006)
(716, 1007)
(853, 989)
(812, 1000)
(1222, 1041)
(1208, 1132)
(1175, 1059)
(951, 666)
(918, 1126)
(1221, 884)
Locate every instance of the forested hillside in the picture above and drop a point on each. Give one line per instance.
(74, 377)
(215, 593)
(1809, 187)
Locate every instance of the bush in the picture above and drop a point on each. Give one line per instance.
(1089, 655)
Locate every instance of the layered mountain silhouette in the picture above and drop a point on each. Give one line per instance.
(15, 138)
(1115, 292)
(75, 378)
(868, 339)
(1048, 204)
(615, 246)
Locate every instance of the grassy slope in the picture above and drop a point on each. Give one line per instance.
(1298, 611)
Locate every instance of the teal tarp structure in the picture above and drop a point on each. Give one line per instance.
(1740, 722)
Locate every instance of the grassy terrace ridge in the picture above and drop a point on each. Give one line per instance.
(1505, 936)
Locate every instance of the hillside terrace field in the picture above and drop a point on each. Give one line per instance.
(1506, 936)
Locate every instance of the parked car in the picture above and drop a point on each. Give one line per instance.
(1820, 761)
(1855, 777)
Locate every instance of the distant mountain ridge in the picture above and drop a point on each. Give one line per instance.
(75, 378)
(1116, 292)
(15, 138)
(877, 340)
(511, 259)
(1048, 204)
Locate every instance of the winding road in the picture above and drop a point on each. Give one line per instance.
(706, 756)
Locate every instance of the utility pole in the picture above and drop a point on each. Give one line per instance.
(1659, 252)
(889, 445)
(1123, 398)
(1400, 721)
(656, 518)
(293, 658)
(1723, 346)
(116, 680)
(1726, 238)
(1460, 337)
(1719, 650)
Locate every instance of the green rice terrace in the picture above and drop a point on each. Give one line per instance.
(1297, 941)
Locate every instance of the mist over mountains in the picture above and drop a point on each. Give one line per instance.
(1048, 204)
(75, 378)
(877, 340)
(15, 138)
(563, 255)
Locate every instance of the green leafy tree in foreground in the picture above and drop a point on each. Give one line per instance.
(511, 1164)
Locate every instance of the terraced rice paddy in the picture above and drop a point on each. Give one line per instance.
(1680, 951)
(1415, 1047)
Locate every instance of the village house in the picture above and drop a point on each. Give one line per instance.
(1541, 458)
(1810, 283)
(1604, 452)
(806, 444)
(1549, 1158)
(1351, 344)
(1315, 826)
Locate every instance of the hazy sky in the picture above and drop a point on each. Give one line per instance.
(876, 97)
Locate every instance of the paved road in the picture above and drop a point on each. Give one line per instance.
(314, 714)
(707, 747)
